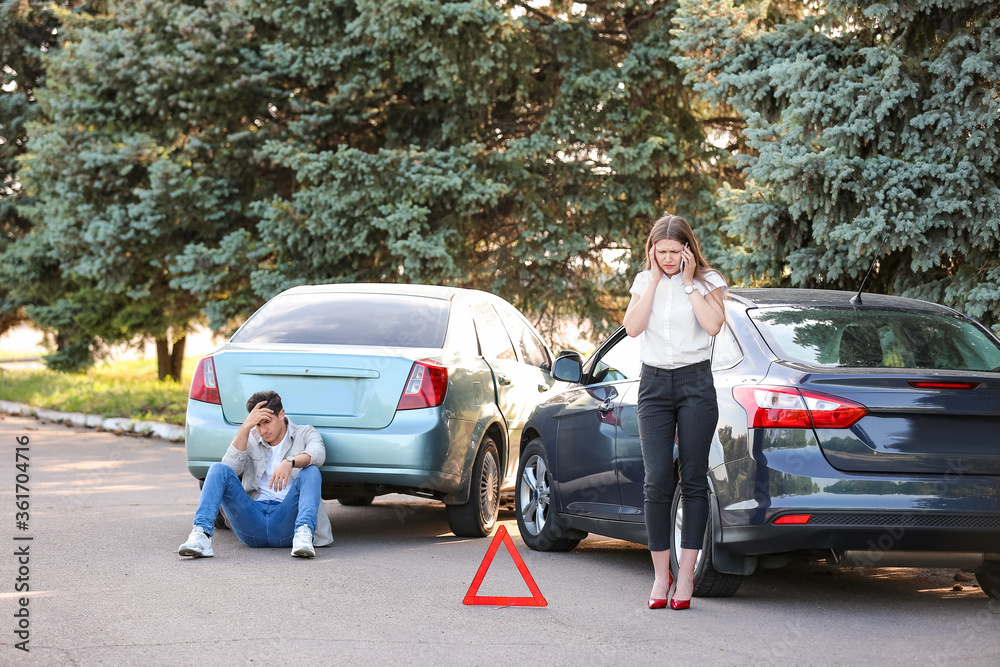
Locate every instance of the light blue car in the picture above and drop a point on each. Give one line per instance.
(415, 389)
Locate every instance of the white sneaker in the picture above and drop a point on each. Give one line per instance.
(198, 544)
(302, 543)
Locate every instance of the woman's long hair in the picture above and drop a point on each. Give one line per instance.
(676, 228)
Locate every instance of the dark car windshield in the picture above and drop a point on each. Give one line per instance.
(333, 318)
(874, 338)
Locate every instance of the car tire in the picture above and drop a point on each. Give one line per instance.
(708, 582)
(356, 501)
(988, 576)
(477, 516)
(535, 510)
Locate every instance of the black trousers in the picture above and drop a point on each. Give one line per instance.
(679, 402)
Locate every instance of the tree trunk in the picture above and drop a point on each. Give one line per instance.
(169, 361)
(162, 358)
(177, 358)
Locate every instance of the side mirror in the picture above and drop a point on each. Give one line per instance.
(568, 367)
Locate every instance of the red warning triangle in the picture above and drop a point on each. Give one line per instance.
(536, 599)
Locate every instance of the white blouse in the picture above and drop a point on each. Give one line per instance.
(673, 336)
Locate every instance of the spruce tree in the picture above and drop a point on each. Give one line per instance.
(28, 29)
(200, 156)
(145, 144)
(518, 148)
(865, 122)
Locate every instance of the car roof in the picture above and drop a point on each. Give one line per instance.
(406, 289)
(782, 296)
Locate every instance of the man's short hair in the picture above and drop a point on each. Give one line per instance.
(272, 398)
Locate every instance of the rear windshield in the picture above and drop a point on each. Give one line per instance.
(872, 338)
(389, 320)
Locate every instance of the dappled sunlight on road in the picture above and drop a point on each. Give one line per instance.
(83, 486)
(945, 585)
(85, 465)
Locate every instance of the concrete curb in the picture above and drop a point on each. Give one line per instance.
(114, 424)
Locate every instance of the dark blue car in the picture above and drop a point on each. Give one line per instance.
(860, 433)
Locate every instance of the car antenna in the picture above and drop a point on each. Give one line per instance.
(856, 299)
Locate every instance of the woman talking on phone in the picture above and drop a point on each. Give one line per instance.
(677, 303)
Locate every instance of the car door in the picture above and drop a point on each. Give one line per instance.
(590, 432)
(620, 364)
(628, 456)
(587, 429)
(519, 386)
(531, 378)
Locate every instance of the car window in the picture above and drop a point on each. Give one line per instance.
(726, 351)
(493, 339)
(461, 330)
(349, 318)
(876, 338)
(619, 362)
(532, 349)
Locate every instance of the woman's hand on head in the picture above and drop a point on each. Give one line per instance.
(654, 267)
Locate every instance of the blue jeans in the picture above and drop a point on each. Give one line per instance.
(259, 523)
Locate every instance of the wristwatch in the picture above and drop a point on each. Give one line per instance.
(292, 459)
(688, 289)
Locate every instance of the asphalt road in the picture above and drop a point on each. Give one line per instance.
(107, 587)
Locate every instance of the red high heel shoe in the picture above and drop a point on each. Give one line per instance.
(679, 604)
(660, 603)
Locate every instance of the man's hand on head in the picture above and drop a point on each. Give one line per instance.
(258, 414)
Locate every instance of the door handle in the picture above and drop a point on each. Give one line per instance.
(606, 407)
(503, 381)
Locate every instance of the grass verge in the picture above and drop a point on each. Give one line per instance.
(122, 389)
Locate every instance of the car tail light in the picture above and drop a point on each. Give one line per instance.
(203, 385)
(793, 519)
(426, 386)
(787, 407)
(921, 384)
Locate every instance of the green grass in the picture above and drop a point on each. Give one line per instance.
(122, 389)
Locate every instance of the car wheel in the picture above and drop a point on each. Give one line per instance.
(356, 501)
(533, 501)
(708, 582)
(477, 516)
(988, 576)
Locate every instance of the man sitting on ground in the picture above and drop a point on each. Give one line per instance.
(268, 484)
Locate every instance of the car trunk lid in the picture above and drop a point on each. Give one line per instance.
(341, 386)
(932, 422)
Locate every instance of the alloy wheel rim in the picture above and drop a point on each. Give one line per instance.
(535, 495)
(489, 490)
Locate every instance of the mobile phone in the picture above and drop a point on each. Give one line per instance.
(682, 258)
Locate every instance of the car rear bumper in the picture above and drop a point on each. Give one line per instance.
(874, 532)
(421, 450)
(850, 511)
